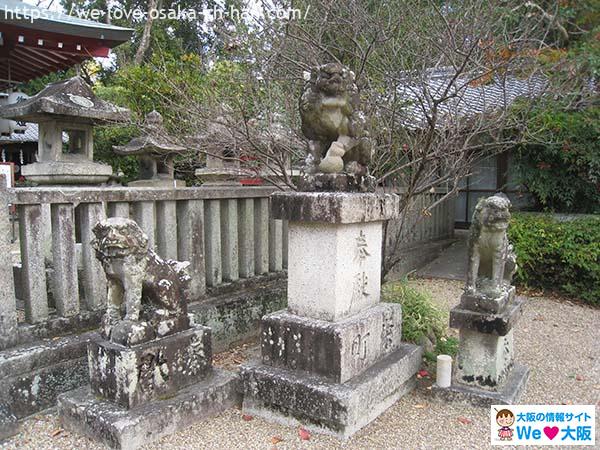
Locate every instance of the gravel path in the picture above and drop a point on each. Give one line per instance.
(557, 339)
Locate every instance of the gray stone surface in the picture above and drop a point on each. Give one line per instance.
(81, 412)
(338, 351)
(190, 221)
(480, 302)
(8, 306)
(93, 278)
(484, 322)
(229, 240)
(130, 376)
(158, 183)
(294, 397)
(261, 236)
(509, 393)
(65, 287)
(32, 257)
(34, 375)
(212, 242)
(334, 182)
(334, 270)
(236, 317)
(67, 172)
(483, 360)
(246, 237)
(275, 245)
(166, 229)
(334, 207)
(9, 426)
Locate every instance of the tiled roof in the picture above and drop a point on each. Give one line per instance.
(469, 99)
(30, 135)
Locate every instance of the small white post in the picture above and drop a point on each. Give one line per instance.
(444, 371)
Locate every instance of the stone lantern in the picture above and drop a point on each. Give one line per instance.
(155, 152)
(223, 161)
(66, 108)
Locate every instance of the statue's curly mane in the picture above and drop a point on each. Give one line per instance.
(118, 237)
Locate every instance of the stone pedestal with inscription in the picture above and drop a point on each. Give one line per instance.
(333, 361)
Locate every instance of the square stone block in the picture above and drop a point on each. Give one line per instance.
(131, 376)
(485, 304)
(297, 398)
(338, 351)
(483, 360)
(334, 207)
(334, 270)
(82, 412)
(498, 324)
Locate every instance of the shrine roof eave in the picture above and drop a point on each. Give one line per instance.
(29, 16)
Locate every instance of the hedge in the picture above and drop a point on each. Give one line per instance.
(558, 255)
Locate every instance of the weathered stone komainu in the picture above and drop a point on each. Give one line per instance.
(492, 261)
(152, 291)
(333, 122)
(485, 371)
(151, 369)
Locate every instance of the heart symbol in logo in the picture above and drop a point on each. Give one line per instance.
(551, 432)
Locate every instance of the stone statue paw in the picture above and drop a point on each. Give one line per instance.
(127, 333)
(333, 162)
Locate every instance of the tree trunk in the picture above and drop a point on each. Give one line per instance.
(145, 41)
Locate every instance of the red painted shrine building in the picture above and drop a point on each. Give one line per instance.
(35, 42)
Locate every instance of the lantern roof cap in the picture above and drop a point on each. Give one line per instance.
(72, 100)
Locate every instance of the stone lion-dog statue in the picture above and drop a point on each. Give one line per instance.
(147, 296)
(492, 261)
(333, 122)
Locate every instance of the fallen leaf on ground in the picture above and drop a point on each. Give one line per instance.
(304, 434)
(247, 417)
(423, 373)
(579, 378)
(276, 440)
(421, 406)
(465, 420)
(57, 432)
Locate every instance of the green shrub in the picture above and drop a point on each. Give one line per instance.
(563, 256)
(420, 317)
(562, 170)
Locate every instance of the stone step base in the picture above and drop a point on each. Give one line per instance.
(82, 412)
(508, 394)
(298, 398)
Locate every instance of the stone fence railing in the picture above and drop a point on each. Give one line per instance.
(226, 234)
(57, 286)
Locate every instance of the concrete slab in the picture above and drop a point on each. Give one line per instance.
(452, 263)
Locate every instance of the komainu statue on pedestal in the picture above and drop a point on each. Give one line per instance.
(492, 261)
(147, 296)
(333, 122)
